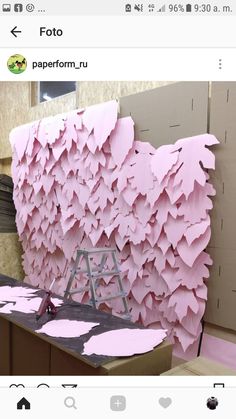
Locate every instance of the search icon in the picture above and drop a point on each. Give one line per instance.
(70, 402)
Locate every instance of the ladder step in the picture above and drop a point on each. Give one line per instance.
(97, 274)
(110, 297)
(94, 272)
(126, 316)
(78, 290)
(101, 274)
(98, 250)
(85, 271)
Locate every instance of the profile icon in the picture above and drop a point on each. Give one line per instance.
(16, 64)
(212, 403)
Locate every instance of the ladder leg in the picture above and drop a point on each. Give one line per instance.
(102, 263)
(72, 275)
(91, 284)
(120, 284)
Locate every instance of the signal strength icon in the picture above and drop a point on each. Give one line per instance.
(162, 9)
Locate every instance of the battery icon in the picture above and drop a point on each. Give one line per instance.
(188, 8)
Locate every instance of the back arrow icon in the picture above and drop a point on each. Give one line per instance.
(14, 31)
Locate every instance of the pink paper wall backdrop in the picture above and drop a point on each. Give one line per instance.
(81, 180)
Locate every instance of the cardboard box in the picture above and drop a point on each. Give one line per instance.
(17, 357)
(221, 304)
(167, 113)
(223, 226)
(200, 366)
(151, 363)
(222, 111)
(223, 231)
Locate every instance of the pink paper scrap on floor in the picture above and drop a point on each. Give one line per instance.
(124, 342)
(66, 328)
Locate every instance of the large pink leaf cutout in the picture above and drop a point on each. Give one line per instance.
(124, 342)
(20, 146)
(175, 229)
(66, 328)
(192, 277)
(164, 159)
(121, 140)
(190, 254)
(101, 119)
(198, 203)
(182, 299)
(192, 153)
(196, 230)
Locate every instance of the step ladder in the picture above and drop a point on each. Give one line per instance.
(96, 273)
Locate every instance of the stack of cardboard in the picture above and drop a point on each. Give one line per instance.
(166, 114)
(7, 208)
(200, 366)
(221, 306)
(179, 110)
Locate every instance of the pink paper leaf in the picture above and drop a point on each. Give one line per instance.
(121, 139)
(163, 160)
(124, 342)
(66, 328)
(192, 277)
(136, 172)
(175, 229)
(193, 151)
(102, 119)
(198, 203)
(185, 338)
(181, 299)
(190, 253)
(196, 230)
(19, 138)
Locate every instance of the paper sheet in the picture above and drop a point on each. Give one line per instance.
(8, 293)
(66, 328)
(25, 305)
(124, 342)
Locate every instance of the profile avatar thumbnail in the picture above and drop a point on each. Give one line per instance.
(212, 403)
(17, 64)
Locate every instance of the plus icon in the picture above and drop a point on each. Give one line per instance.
(117, 403)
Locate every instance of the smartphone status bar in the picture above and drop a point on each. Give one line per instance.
(119, 7)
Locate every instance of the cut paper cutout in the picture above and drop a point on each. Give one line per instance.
(163, 161)
(7, 309)
(181, 299)
(12, 294)
(67, 328)
(121, 140)
(102, 119)
(190, 254)
(81, 180)
(124, 342)
(192, 154)
(192, 277)
(25, 305)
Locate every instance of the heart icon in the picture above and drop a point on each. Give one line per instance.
(165, 402)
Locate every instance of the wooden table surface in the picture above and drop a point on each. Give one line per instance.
(71, 311)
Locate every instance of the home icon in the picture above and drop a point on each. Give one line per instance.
(23, 404)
